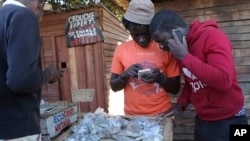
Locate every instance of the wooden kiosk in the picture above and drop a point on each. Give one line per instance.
(85, 66)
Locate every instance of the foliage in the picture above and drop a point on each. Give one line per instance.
(114, 8)
(66, 5)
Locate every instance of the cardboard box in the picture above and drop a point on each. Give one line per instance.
(57, 116)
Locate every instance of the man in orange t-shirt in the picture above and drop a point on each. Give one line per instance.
(146, 94)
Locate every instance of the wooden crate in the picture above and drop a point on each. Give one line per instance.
(165, 123)
(57, 116)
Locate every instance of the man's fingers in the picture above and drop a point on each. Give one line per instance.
(174, 35)
(184, 41)
(171, 44)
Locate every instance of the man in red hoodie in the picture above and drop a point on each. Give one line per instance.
(211, 84)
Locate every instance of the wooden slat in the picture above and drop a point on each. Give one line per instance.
(108, 25)
(52, 18)
(241, 44)
(242, 15)
(73, 67)
(81, 74)
(183, 137)
(108, 59)
(108, 64)
(114, 36)
(108, 53)
(182, 128)
(238, 37)
(100, 77)
(247, 99)
(109, 16)
(168, 130)
(245, 88)
(111, 41)
(212, 10)
(53, 28)
(109, 47)
(90, 71)
(242, 61)
(243, 69)
(48, 58)
(55, 33)
(236, 29)
(241, 52)
(206, 10)
(195, 4)
(234, 23)
(62, 57)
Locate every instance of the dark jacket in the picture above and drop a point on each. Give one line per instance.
(21, 76)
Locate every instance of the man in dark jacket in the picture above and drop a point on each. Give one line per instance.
(21, 75)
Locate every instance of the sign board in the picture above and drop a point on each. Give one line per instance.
(82, 95)
(83, 29)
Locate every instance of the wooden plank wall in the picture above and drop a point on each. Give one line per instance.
(49, 91)
(52, 26)
(233, 18)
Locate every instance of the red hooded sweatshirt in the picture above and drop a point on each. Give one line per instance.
(210, 77)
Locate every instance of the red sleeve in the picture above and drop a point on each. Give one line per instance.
(219, 65)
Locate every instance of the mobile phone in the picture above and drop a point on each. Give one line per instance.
(179, 34)
(144, 72)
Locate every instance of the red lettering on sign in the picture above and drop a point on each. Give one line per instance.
(68, 112)
(62, 125)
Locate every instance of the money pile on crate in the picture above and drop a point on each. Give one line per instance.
(101, 126)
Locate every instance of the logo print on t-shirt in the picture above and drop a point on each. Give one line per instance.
(195, 82)
(145, 88)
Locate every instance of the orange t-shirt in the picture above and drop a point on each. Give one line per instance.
(144, 98)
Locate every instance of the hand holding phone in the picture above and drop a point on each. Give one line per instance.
(178, 48)
(179, 34)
